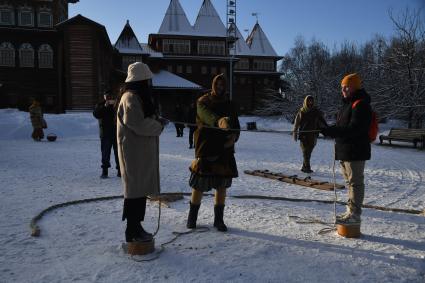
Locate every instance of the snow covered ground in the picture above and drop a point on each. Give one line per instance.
(82, 243)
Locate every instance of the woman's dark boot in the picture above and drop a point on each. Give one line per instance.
(218, 218)
(104, 173)
(134, 212)
(193, 216)
(135, 232)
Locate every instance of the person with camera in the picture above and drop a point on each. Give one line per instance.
(105, 112)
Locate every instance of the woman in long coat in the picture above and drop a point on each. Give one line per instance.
(138, 130)
(214, 166)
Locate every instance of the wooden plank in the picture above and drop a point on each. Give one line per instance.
(305, 182)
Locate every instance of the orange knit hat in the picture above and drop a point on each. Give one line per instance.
(353, 81)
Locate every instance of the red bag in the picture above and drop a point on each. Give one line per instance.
(374, 127)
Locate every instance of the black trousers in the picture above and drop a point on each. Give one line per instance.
(106, 144)
(134, 209)
(179, 129)
(191, 131)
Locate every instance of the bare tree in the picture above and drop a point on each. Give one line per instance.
(393, 72)
(406, 65)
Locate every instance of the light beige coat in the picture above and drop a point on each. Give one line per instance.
(138, 148)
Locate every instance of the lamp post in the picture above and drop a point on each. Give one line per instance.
(231, 39)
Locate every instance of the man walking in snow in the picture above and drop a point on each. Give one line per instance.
(105, 113)
(352, 143)
(309, 118)
(179, 116)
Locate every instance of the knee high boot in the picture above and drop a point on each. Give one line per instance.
(195, 203)
(193, 216)
(134, 211)
(218, 218)
(219, 201)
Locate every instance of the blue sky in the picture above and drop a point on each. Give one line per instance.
(331, 21)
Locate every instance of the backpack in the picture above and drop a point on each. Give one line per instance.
(373, 127)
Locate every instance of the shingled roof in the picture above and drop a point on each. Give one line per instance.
(175, 21)
(208, 22)
(242, 47)
(259, 43)
(127, 42)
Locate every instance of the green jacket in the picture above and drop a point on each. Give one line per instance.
(215, 158)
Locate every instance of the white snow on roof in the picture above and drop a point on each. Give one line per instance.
(148, 50)
(242, 47)
(259, 43)
(165, 79)
(127, 42)
(208, 21)
(175, 21)
(124, 50)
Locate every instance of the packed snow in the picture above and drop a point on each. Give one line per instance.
(82, 243)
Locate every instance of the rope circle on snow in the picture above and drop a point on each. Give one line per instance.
(35, 229)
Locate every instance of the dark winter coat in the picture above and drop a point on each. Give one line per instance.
(107, 120)
(351, 131)
(191, 116)
(309, 119)
(213, 158)
(36, 116)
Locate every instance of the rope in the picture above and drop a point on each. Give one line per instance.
(243, 130)
(159, 218)
(331, 227)
(35, 229)
(177, 235)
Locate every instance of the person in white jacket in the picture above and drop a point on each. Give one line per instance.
(138, 130)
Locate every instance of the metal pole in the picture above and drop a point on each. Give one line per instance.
(231, 40)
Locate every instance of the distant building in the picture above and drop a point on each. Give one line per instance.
(31, 59)
(69, 63)
(199, 52)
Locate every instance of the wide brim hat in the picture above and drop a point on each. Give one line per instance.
(138, 72)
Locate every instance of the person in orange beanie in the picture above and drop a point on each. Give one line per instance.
(352, 143)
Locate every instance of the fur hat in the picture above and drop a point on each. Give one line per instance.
(138, 72)
(353, 81)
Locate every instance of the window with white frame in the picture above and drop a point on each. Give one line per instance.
(45, 18)
(210, 47)
(242, 64)
(264, 65)
(26, 55)
(7, 54)
(7, 16)
(45, 57)
(176, 46)
(26, 16)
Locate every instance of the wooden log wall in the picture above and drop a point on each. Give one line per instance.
(82, 77)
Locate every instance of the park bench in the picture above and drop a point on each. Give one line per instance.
(405, 135)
